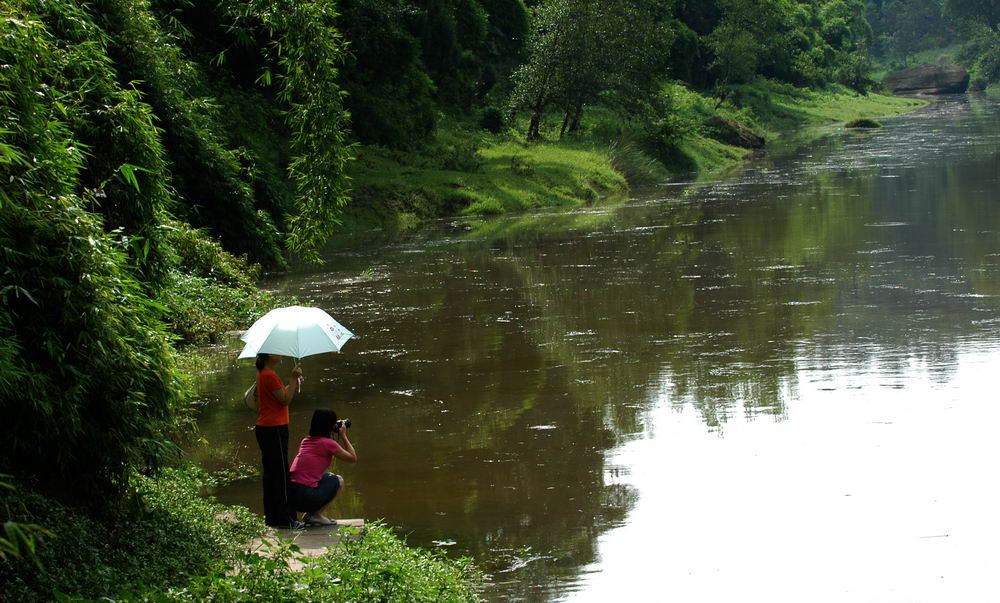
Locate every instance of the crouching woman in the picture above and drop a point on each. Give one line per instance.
(312, 488)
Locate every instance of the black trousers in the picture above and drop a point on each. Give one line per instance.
(273, 443)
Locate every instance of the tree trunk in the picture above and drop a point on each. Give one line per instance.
(577, 115)
(536, 119)
(562, 130)
(722, 99)
(533, 134)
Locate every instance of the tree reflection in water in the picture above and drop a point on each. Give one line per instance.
(495, 368)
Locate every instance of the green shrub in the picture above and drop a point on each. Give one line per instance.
(201, 256)
(378, 566)
(462, 157)
(173, 534)
(863, 123)
(374, 565)
(491, 120)
(209, 291)
(199, 310)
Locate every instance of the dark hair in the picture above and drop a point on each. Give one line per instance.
(323, 422)
(261, 361)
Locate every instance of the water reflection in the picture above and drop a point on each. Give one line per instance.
(512, 383)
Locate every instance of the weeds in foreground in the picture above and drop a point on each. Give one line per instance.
(175, 544)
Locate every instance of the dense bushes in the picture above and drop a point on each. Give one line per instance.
(92, 266)
(302, 56)
(87, 385)
(982, 53)
(173, 536)
(263, 171)
(206, 172)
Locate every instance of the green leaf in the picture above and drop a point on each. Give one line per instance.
(128, 171)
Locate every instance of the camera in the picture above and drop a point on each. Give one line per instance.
(341, 423)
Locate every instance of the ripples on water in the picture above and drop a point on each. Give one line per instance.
(774, 387)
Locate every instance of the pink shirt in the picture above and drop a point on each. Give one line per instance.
(312, 460)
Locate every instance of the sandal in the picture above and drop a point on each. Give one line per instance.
(314, 520)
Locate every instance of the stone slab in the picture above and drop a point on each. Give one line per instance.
(312, 541)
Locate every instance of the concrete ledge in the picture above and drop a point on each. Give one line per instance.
(312, 541)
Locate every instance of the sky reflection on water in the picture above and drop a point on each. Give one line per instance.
(876, 486)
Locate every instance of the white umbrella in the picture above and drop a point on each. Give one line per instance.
(295, 331)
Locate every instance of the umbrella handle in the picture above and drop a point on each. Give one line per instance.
(300, 379)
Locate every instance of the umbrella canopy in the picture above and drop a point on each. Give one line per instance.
(295, 331)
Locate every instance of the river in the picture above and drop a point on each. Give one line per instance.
(775, 386)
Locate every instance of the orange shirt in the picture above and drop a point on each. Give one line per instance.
(270, 411)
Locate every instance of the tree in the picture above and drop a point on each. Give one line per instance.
(744, 37)
(452, 34)
(902, 28)
(986, 12)
(390, 95)
(804, 43)
(506, 36)
(849, 36)
(582, 51)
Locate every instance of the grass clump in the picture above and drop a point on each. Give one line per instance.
(372, 564)
(638, 167)
(209, 291)
(863, 123)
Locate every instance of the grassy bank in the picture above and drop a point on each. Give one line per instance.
(781, 109)
(466, 171)
(174, 544)
(469, 171)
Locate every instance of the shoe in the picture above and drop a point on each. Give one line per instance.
(315, 520)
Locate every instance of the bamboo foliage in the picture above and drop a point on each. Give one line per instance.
(88, 389)
(303, 60)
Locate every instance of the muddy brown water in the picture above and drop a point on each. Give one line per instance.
(780, 385)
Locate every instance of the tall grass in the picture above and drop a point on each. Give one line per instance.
(638, 167)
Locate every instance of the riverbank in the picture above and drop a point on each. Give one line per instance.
(182, 546)
(469, 171)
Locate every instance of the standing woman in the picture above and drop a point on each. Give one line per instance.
(271, 429)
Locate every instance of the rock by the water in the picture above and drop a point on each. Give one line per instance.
(928, 79)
